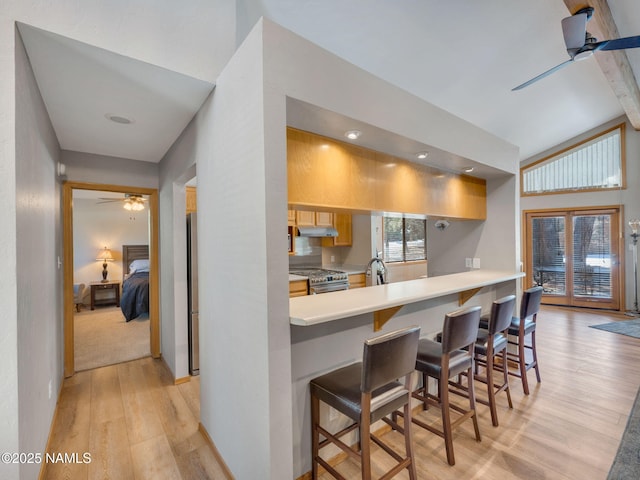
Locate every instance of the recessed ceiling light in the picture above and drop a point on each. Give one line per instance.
(422, 155)
(467, 169)
(119, 119)
(352, 134)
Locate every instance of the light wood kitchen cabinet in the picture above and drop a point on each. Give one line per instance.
(191, 199)
(297, 288)
(324, 219)
(291, 218)
(305, 218)
(357, 280)
(342, 223)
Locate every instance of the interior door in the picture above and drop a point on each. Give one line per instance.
(574, 256)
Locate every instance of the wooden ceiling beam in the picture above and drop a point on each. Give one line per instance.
(614, 63)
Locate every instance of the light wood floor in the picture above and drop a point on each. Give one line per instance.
(134, 422)
(138, 425)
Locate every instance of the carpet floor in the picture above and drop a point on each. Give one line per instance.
(626, 465)
(630, 328)
(102, 337)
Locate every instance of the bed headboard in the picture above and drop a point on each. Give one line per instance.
(131, 253)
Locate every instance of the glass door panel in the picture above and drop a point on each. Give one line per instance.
(549, 254)
(595, 261)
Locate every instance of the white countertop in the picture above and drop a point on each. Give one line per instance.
(313, 309)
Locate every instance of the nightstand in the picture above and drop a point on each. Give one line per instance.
(101, 287)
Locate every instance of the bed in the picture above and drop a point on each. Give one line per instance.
(135, 284)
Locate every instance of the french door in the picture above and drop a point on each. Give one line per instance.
(574, 256)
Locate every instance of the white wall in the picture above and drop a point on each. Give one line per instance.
(629, 198)
(92, 168)
(9, 428)
(176, 168)
(38, 278)
(107, 224)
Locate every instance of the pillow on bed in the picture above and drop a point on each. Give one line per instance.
(139, 266)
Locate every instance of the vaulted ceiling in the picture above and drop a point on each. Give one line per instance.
(462, 56)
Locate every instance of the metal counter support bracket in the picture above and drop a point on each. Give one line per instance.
(380, 317)
(463, 297)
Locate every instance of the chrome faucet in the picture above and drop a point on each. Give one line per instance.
(377, 275)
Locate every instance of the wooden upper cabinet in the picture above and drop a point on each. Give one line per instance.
(324, 219)
(191, 199)
(305, 218)
(291, 219)
(342, 223)
(326, 173)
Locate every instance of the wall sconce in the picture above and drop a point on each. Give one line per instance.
(106, 256)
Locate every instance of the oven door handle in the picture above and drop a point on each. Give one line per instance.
(328, 288)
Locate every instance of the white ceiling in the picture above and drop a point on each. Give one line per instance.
(462, 56)
(82, 86)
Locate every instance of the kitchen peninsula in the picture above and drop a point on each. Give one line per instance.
(328, 330)
(314, 309)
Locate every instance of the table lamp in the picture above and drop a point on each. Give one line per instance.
(106, 256)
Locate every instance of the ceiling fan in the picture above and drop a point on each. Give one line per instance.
(132, 201)
(580, 44)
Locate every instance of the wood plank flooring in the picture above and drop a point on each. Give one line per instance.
(134, 422)
(138, 425)
(569, 427)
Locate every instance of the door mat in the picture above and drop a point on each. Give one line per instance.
(626, 465)
(630, 328)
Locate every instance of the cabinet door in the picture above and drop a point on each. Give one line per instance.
(191, 199)
(324, 219)
(305, 219)
(357, 280)
(297, 288)
(291, 218)
(342, 223)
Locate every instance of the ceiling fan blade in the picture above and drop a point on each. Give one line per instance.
(574, 29)
(542, 75)
(619, 43)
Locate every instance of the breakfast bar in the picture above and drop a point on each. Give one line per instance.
(315, 309)
(328, 330)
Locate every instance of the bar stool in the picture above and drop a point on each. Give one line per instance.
(519, 329)
(443, 361)
(366, 392)
(490, 343)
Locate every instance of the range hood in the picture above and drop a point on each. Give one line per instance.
(317, 232)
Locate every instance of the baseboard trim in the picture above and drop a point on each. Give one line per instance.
(176, 381)
(54, 419)
(225, 468)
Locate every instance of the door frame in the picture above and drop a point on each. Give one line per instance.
(154, 283)
(617, 236)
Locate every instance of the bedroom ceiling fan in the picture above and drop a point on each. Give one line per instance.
(131, 201)
(581, 44)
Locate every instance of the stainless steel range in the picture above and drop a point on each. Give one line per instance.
(321, 280)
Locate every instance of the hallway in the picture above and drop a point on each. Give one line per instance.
(134, 422)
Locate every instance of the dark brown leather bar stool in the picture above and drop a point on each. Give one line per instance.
(519, 329)
(444, 361)
(366, 392)
(491, 343)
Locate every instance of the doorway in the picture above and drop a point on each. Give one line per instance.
(68, 232)
(575, 256)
